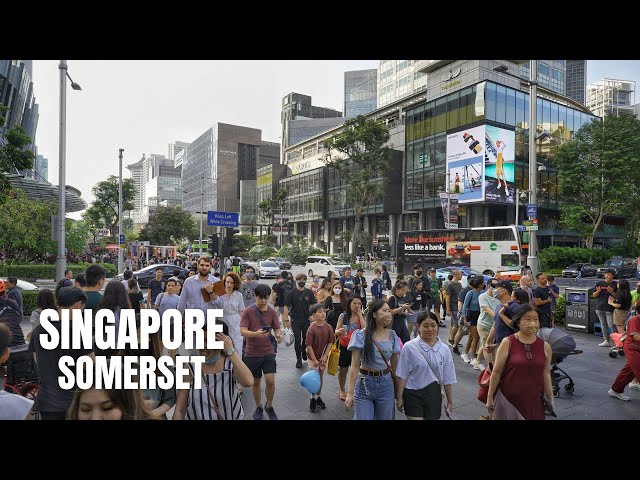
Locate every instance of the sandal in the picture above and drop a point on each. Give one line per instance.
(342, 395)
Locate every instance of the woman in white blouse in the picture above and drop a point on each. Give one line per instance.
(233, 307)
(424, 367)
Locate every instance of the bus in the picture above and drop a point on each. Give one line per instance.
(493, 251)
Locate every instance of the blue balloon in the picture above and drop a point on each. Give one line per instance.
(311, 381)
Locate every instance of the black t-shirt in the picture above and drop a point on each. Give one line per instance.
(299, 303)
(543, 294)
(52, 398)
(281, 290)
(9, 314)
(156, 287)
(603, 298)
(454, 290)
(623, 300)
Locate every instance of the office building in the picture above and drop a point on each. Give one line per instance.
(41, 170)
(360, 92)
(611, 97)
(576, 80)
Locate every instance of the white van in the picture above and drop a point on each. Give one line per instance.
(320, 266)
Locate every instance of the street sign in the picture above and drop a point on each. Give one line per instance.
(532, 210)
(222, 219)
(122, 242)
(531, 228)
(521, 228)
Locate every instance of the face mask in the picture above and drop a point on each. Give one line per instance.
(496, 294)
(301, 284)
(213, 359)
(337, 291)
(419, 273)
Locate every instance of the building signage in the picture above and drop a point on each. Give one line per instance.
(229, 153)
(222, 219)
(453, 73)
(305, 165)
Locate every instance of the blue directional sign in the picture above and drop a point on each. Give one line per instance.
(532, 210)
(222, 219)
(122, 239)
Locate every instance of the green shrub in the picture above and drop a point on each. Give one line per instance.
(298, 255)
(562, 257)
(261, 252)
(561, 309)
(29, 301)
(36, 270)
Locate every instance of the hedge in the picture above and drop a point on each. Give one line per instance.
(34, 271)
(562, 257)
(29, 301)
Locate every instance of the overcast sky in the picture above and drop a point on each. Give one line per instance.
(142, 106)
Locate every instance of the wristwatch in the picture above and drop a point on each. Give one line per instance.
(228, 353)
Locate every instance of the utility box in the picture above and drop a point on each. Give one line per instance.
(580, 309)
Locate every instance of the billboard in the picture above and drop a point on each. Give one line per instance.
(449, 201)
(499, 165)
(481, 164)
(465, 163)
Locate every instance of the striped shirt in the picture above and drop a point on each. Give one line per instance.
(225, 389)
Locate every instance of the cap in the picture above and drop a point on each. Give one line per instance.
(68, 296)
(506, 284)
(360, 269)
(2, 286)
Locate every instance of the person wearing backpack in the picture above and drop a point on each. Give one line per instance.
(280, 291)
(66, 281)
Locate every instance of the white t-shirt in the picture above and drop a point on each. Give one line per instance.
(14, 407)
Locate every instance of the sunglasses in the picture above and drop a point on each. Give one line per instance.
(527, 349)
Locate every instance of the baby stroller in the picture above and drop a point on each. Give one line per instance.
(562, 345)
(22, 373)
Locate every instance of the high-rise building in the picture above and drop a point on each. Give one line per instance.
(611, 97)
(360, 92)
(576, 80)
(399, 78)
(301, 120)
(174, 152)
(136, 173)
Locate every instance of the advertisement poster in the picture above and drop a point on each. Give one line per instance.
(450, 200)
(465, 163)
(459, 253)
(432, 249)
(499, 166)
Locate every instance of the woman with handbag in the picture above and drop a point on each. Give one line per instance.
(374, 356)
(521, 377)
(425, 370)
(218, 397)
(350, 321)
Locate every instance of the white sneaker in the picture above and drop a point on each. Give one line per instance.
(634, 386)
(479, 366)
(621, 396)
(465, 358)
(605, 344)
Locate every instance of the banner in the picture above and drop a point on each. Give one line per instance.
(499, 165)
(465, 162)
(452, 201)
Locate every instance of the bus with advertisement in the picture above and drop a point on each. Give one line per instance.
(493, 251)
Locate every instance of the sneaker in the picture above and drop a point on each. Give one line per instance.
(313, 405)
(465, 358)
(605, 344)
(634, 386)
(442, 324)
(257, 415)
(299, 364)
(271, 412)
(621, 396)
(455, 350)
(450, 342)
(320, 403)
(478, 366)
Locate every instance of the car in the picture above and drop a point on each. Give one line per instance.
(620, 266)
(321, 265)
(281, 262)
(149, 273)
(267, 268)
(444, 272)
(587, 269)
(24, 286)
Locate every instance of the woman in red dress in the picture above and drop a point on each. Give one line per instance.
(522, 371)
(632, 353)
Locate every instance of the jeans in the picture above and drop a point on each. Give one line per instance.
(606, 320)
(374, 398)
(300, 328)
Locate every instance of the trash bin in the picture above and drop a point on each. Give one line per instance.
(580, 309)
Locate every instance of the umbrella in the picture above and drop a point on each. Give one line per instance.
(562, 344)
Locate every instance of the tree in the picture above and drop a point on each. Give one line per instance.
(359, 155)
(93, 219)
(169, 226)
(106, 202)
(25, 235)
(265, 210)
(77, 233)
(13, 153)
(246, 242)
(598, 173)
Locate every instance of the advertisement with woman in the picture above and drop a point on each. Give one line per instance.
(499, 165)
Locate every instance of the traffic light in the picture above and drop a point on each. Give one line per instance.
(231, 243)
(213, 246)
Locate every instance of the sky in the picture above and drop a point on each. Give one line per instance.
(143, 105)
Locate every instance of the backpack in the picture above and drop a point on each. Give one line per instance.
(285, 288)
(59, 286)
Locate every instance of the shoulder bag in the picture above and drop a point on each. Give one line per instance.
(440, 381)
(274, 342)
(393, 374)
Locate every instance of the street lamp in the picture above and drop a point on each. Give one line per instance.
(61, 259)
(120, 242)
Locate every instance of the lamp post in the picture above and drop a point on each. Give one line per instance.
(201, 209)
(120, 260)
(61, 259)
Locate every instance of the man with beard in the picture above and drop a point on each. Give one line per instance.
(191, 296)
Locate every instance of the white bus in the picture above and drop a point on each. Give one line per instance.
(493, 251)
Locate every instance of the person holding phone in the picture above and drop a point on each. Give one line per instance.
(400, 309)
